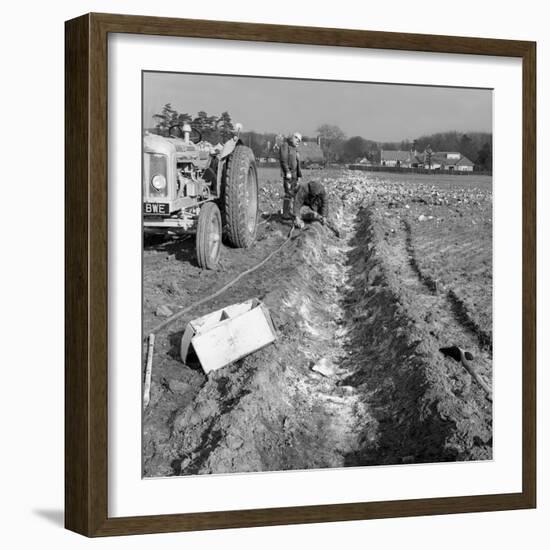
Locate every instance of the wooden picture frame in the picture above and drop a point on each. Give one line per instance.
(86, 223)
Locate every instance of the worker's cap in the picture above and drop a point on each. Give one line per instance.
(297, 135)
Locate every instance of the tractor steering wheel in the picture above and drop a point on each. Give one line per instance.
(180, 132)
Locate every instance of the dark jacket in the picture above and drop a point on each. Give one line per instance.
(311, 194)
(290, 160)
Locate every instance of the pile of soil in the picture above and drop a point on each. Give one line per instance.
(355, 376)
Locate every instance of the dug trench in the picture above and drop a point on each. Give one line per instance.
(354, 378)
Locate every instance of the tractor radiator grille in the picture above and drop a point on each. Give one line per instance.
(155, 164)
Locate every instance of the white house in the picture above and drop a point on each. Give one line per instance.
(448, 161)
(464, 165)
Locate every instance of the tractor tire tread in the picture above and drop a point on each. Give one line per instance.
(235, 224)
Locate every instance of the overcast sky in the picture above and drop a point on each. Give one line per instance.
(381, 112)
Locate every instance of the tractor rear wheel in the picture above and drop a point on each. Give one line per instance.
(240, 198)
(209, 236)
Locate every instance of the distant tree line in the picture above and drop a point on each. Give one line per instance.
(213, 128)
(336, 146)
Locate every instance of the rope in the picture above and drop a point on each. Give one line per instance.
(179, 314)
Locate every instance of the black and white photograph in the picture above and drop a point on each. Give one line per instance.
(286, 288)
(317, 274)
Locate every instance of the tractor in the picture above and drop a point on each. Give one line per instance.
(191, 187)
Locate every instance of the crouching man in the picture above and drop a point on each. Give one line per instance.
(310, 203)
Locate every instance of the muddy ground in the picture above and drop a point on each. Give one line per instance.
(356, 376)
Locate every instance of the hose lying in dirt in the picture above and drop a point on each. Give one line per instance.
(266, 220)
(179, 314)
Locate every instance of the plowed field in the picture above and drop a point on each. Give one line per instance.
(355, 377)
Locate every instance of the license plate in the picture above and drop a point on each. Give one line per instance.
(156, 208)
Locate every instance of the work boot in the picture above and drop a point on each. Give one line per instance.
(287, 208)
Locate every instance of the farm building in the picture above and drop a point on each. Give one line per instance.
(441, 160)
(464, 165)
(445, 160)
(402, 159)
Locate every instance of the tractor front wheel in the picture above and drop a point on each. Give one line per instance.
(209, 236)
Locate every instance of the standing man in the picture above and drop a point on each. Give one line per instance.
(290, 169)
(310, 203)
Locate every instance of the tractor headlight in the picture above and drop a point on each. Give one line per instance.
(159, 182)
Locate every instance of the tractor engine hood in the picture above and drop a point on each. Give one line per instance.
(153, 143)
